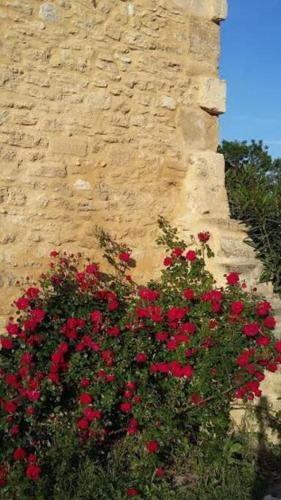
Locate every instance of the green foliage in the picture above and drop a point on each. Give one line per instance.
(253, 181)
(110, 389)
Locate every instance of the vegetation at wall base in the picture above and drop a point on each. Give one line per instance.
(110, 389)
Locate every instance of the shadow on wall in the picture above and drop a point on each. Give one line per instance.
(267, 482)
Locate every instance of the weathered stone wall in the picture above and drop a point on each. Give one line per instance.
(108, 116)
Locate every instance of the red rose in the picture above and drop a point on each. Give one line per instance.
(270, 322)
(30, 411)
(22, 303)
(10, 407)
(191, 352)
(131, 385)
(63, 347)
(141, 357)
(11, 380)
(26, 358)
(237, 307)
(260, 376)
(243, 359)
(128, 394)
(204, 236)
(272, 367)
(83, 424)
(6, 343)
(38, 315)
(188, 328)
(172, 345)
(96, 317)
(57, 357)
(277, 346)
(263, 308)
(133, 426)
(191, 255)
(92, 414)
(92, 268)
(177, 252)
(12, 328)
(33, 395)
(159, 472)
(54, 378)
(187, 371)
(176, 313)
(175, 368)
(232, 278)
(124, 256)
(213, 324)
(33, 472)
(215, 306)
(168, 261)
(263, 340)
(161, 336)
(32, 292)
(112, 305)
(188, 294)
(159, 367)
(132, 492)
(197, 400)
(251, 329)
(149, 295)
(113, 331)
(152, 446)
(125, 407)
(54, 253)
(19, 454)
(240, 392)
(84, 382)
(85, 398)
(14, 430)
(32, 458)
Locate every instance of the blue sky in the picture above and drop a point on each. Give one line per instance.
(251, 64)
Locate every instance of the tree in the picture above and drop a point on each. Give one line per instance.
(253, 182)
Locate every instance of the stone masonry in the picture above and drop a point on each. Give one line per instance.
(109, 116)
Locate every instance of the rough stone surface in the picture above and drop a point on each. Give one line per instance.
(212, 96)
(108, 116)
(48, 12)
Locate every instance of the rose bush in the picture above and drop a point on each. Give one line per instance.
(104, 361)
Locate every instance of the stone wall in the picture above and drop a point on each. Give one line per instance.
(108, 117)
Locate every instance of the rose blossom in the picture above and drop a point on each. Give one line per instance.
(152, 446)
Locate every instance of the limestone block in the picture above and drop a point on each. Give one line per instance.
(195, 7)
(236, 247)
(204, 186)
(44, 169)
(199, 130)
(219, 10)
(212, 95)
(204, 41)
(68, 146)
(213, 9)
